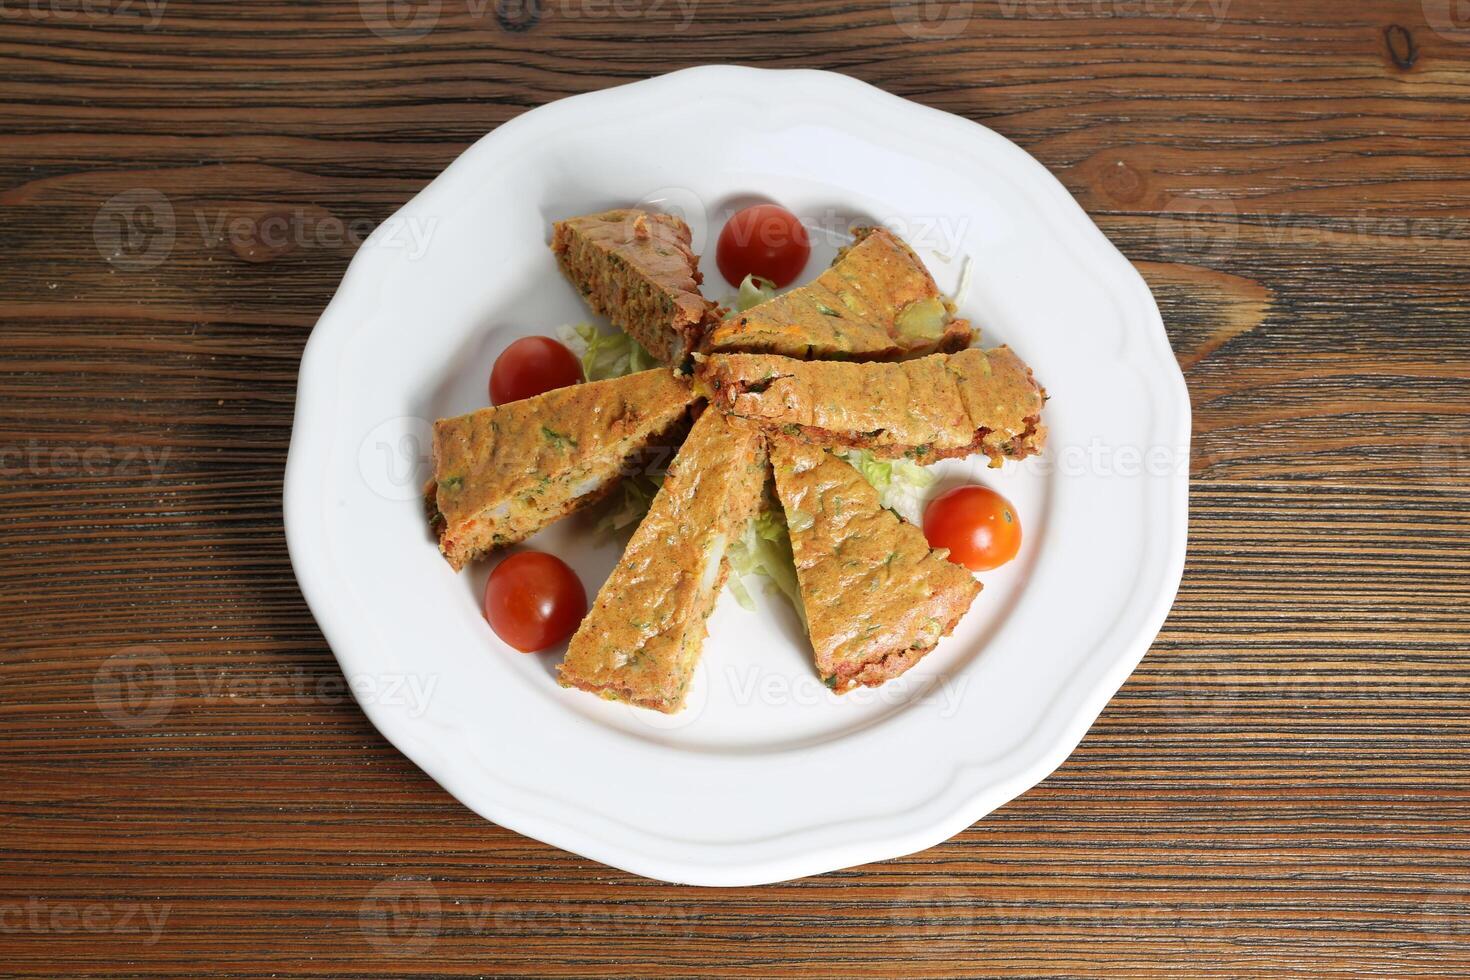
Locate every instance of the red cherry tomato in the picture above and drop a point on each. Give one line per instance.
(765, 240)
(534, 601)
(530, 366)
(978, 526)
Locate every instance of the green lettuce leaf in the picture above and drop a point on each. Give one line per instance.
(628, 505)
(900, 483)
(754, 290)
(765, 550)
(605, 355)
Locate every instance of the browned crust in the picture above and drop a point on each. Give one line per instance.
(458, 556)
(837, 555)
(1029, 443)
(720, 382)
(611, 283)
(874, 673)
(713, 486)
(775, 327)
(666, 442)
(610, 691)
(437, 523)
(624, 693)
(958, 334)
(642, 415)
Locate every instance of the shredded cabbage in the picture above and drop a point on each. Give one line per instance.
(900, 482)
(631, 502)
(754, 290)
(605, 355)
(765, 550)
(962, 288)
(737, 587)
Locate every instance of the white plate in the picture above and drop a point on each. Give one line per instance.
(766, 775)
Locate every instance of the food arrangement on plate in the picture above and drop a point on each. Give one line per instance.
(806, 406)
(752, 781)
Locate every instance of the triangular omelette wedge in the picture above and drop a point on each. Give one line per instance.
(641, 641)
(636, 268)
(875, 302)
(928, 408)
(877, 597)
(501, 474)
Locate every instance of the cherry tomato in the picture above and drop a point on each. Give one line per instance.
(978, 526)
(534, 601)
(530, 366)
(765, 240)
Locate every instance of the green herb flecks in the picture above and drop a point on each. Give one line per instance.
(557, 439)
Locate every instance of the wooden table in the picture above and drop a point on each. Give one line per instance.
(1283, 787)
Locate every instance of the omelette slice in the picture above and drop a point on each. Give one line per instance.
(501, 474)
(641, 641)
(877, 598)
(636, 268)
(875, 302)
(928, 408)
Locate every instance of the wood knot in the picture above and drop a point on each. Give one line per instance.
(260, 233)
(1121, 181)
(1401, 47)
(261, 238)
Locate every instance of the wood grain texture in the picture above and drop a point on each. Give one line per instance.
(1283, 787)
